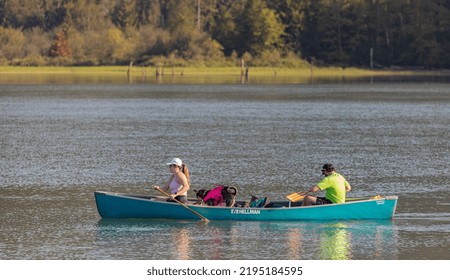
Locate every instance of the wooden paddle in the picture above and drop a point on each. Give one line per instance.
(296, 196)
(182, 204)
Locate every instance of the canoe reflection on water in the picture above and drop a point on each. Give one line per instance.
(226, 240)
(335, 242)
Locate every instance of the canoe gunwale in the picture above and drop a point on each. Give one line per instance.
(154, 199)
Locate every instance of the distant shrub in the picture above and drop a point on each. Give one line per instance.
(11, 43)
(60, 61)
(35, 60)
(275, 59)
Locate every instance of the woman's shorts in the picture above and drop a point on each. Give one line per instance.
(180, 198)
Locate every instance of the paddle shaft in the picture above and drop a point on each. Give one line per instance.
(182, 204)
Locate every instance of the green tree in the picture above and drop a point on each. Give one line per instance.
(12, 43)
(38, 42)
(124, 15)
(54, 14)
(224, 27)
(23, 14)
(120, 47)
(143, 13)
(88, 15)
(260, 28)
(425, 47)
(355, 47)
(310, 38)
(181, 20)
(334, 32)
(152, 41)
(292, 16)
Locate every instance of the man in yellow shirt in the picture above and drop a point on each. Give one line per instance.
(334, 185)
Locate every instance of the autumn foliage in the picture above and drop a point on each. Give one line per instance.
(363, 33)
(60, 46)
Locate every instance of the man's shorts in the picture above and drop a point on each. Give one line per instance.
(323, 200)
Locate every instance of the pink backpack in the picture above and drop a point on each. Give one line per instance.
(215, 195)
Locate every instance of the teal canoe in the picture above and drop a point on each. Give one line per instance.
(122, 206)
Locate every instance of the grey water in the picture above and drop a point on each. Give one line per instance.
(60, 142)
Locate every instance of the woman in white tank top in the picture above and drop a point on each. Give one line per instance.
(178, 183)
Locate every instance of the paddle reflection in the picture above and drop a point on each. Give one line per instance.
(294, 237)
(217, 240)
(181, 239)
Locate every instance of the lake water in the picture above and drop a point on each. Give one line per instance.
(60, 142)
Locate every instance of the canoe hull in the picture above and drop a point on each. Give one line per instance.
(115, 205)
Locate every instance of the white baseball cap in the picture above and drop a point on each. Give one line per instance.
(175, 161)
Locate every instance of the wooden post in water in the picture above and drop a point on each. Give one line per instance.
(159, 70)
(130, 66)
(158, 73)
(371, 58)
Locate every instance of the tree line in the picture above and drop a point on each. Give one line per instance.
(289, 33)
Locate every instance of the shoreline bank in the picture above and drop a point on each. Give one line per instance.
(194, 71)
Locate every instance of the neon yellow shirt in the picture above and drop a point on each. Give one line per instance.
(334, 186)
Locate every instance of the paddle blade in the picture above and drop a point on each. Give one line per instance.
(294, 197)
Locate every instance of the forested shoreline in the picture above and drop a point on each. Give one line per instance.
(289, 33)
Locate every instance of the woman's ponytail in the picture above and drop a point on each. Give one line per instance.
(185, 170)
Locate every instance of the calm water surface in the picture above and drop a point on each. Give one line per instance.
(61, 142)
